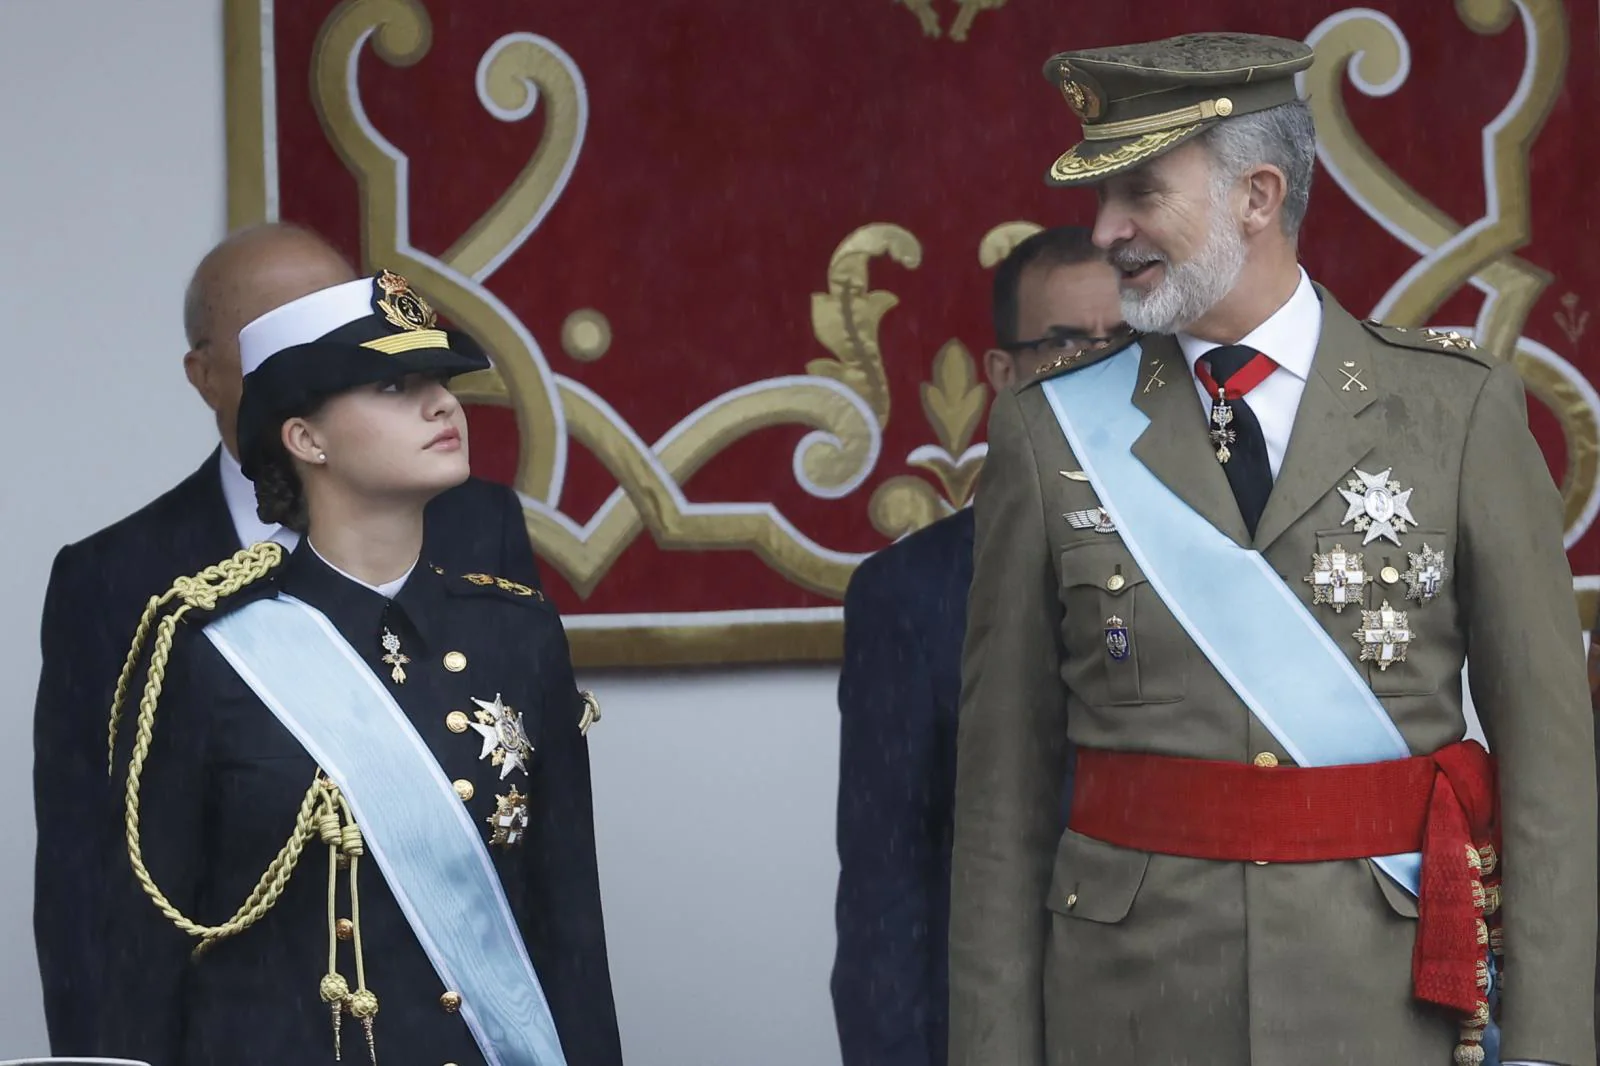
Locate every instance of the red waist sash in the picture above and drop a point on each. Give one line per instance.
(1442, 805)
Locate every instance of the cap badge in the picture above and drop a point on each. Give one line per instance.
(1083, 100)
(401, 306)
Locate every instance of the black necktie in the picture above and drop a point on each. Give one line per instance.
(1249, 472)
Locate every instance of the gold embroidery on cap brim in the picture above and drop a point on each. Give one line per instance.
(1072, 167)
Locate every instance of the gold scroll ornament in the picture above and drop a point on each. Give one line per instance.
(1370, 48)
(845, 400)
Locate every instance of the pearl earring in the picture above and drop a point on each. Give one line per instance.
(322, 457)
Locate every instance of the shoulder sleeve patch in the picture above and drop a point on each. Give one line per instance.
(1068, 362)
(468, 583)
(1448, 342)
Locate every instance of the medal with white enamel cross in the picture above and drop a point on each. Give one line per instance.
(505, 742)
(1427, 573)
(1378, 506)
(509, 820)
(1385, 635)
(1337, 578)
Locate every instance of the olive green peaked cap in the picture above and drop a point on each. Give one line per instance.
(1137, 101)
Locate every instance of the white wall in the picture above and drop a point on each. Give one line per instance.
(714, 791)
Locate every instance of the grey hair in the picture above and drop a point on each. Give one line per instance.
(1284, 137)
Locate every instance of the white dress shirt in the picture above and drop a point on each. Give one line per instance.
(240, 494)
(1289, 337)
(387, 590)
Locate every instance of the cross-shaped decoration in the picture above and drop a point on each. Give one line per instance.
(505, 740)
(1337, 578)
(509, 820)
(1378, 506)
(1221, 419)
(1155, 381)
(1351, 377)
(1427, 573)
(1385, 635)
(394, 657)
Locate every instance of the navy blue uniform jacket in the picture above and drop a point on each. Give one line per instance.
(98, 588)
(221, 789)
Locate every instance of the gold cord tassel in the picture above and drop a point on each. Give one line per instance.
(363, 1003)
(334, 989)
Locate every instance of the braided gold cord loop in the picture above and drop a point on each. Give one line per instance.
(202, 591)
(199, 592)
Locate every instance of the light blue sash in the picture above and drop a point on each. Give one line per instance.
(431, 854)
(1260, 637)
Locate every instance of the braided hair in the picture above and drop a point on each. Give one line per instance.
(280, 498)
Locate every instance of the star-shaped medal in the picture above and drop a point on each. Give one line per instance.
(505, 742)
(1427, 573)
(1377, 506)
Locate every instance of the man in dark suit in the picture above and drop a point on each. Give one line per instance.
(99, 586)
(905, 615)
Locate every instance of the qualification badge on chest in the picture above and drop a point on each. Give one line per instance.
(1427, 573)
(1378, 506)
(1385, 634)
(1337, 578)
(1094, 518)
(1117, 644)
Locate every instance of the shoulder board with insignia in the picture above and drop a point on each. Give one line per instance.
(1066, 363)
(489, 582)
(1449, 342)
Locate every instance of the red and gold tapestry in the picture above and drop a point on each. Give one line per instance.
(732, 258)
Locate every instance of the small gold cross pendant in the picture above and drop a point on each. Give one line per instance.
(394, 658)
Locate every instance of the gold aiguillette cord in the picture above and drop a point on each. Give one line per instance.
(343, 838)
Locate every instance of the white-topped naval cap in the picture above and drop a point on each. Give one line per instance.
(304, 320)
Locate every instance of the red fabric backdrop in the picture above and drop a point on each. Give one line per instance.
(730, 146)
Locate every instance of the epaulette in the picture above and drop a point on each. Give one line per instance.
(470, 583)
(1065, 364)
(1450, 342)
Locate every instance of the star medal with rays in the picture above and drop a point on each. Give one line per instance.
(1378, 506)
(505, 742)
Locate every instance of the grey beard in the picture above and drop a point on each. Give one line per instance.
(1192, 288)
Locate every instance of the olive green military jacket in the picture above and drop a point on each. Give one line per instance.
(1064, 949)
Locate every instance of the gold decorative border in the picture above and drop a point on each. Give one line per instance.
(845, 398)
(742, 644)
(246, 120)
